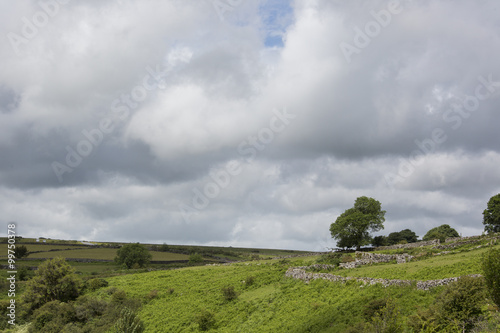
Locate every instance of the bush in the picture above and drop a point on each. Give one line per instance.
(52, 317)
(94, 284)
(456, 309)
(54, 280)
(24, 273)
(229, 293)
(491, 273)
(87, 308)
(21, 251)
(195, 258)
(133, 254)
(205, 320)
(250, 280)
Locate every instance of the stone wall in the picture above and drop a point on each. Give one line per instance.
(367, 258)
(301, 274)
(409, 245)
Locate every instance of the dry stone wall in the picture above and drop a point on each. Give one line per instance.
(301, 274)
(367, 258)
(409, 245)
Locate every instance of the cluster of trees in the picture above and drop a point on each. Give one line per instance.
(353, 227)
(401, 237)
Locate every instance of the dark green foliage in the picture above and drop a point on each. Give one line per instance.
(24, 273)
(128, 322)
(54, 280)
(87, 308)
(21, 251)
(491, 215)
(352, 228)
(491, 273)
(94, 284)
(52, 317)
(229, 293)
(442, 232)
(133, 254)
(456, 309)
(405, 235)
(379, 241)
(373, 307)
(205, 320)
(195, 258)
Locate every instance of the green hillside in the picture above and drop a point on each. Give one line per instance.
(192, 299)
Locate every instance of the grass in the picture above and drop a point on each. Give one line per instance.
(272, 304)
(103, 253)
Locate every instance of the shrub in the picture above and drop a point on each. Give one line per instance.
(491, 273)
(195, 258)
(24, 273)
(21, 251)
(94, 284)
(87, 308)
(250, 280)
(133, 254)
(54, 280)
(205, 320)
(229, 293)
(456, 309)
(52, 317)
(118, 297)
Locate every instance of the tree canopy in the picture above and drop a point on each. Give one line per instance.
(491, 215)
(442, 232)
(131, 255)
(403, 235)
(352, 228)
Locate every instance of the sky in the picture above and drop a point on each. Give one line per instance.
(249, 123)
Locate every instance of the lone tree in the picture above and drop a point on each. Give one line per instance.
(133, 255)
(491, 215)
(353, 226)
(442, 232)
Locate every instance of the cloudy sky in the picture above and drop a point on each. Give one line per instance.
(248, 123)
